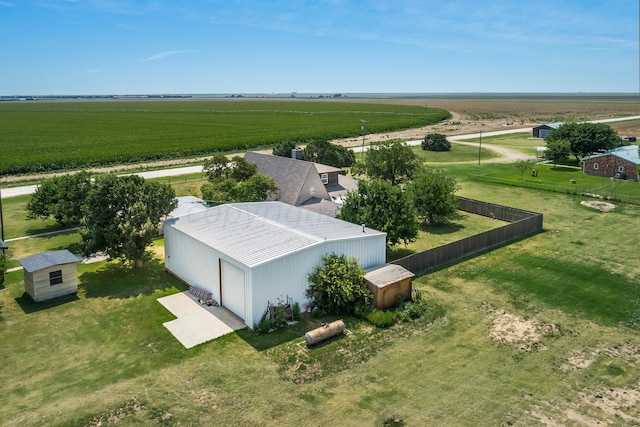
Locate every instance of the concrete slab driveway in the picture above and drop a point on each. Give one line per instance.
(197, 323)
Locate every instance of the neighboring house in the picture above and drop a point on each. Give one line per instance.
(543, 131)
(619, 163)
(297, 180)
(50, 275)
(311, 186)
(250, 254)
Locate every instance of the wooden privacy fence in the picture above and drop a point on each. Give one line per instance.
(521, 224)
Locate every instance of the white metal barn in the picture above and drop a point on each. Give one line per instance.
(249, 254)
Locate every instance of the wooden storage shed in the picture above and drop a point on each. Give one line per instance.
(388, 281)
(50, 274)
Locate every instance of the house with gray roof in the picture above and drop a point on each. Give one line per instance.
(50, 275)
(619, 163)
(248, 255)
(312, 186)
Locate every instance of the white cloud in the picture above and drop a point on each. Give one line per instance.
(165, 54)
(92, 70)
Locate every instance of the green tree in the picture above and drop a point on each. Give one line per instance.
(256, 189)
(585, 138)
(558, 150)
(433, 195)
(228, 190)
(242, 170)
(394, 162)
(219, 191)
(326, 153)
(61, 198)
(216, 167)
(284, 148)
(384, 207)
(121, 216)
(338, 285)
(436, 142)
(524, 165)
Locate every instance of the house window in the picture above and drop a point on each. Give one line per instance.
(55, 277)
(620, 169)
(325, 178)
(595, 166)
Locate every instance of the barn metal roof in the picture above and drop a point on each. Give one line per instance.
(255, 233)
(627, 152)
(47, 259)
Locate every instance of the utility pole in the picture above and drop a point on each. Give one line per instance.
(1, 220)
(479, 148)
(364, 130)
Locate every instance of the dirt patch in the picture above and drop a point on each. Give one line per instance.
(583, 358)
(599, 407)
(516, 331)
(601, 206)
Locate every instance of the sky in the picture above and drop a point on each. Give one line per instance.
(106, 47)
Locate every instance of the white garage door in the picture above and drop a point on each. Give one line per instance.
(232, 289)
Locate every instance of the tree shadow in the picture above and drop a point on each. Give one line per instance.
(118, 281)
(441, 228)
(394, 254)
(28, 305)
(560, 168)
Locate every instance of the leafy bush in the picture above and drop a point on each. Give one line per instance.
(382, 318)
(337, 285)
(411, 311)
(296, 311)
(436, 142)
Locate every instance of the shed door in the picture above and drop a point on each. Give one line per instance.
(232, 288)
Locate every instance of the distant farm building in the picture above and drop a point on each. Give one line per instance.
(50, 274)
(247, 255)
(619, 163)
(543, 131)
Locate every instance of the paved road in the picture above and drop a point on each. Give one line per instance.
(30, 189)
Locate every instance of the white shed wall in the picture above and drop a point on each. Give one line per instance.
(191, 260)
(370, 250)
(287, 276)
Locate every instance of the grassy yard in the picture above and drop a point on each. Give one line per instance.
(463, 225)
(558, 179)
(519, 142)
(104, 358)
(459, 154)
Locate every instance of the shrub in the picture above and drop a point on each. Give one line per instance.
(296, 311)
(382, 318)
(412, 310)
(436, 142)
(338, 284)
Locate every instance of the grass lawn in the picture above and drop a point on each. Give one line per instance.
(520, 142)
(558, 178)
(104, 358)
(459, 154)
(463, 225)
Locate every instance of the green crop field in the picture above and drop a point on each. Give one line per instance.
(59, 135)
